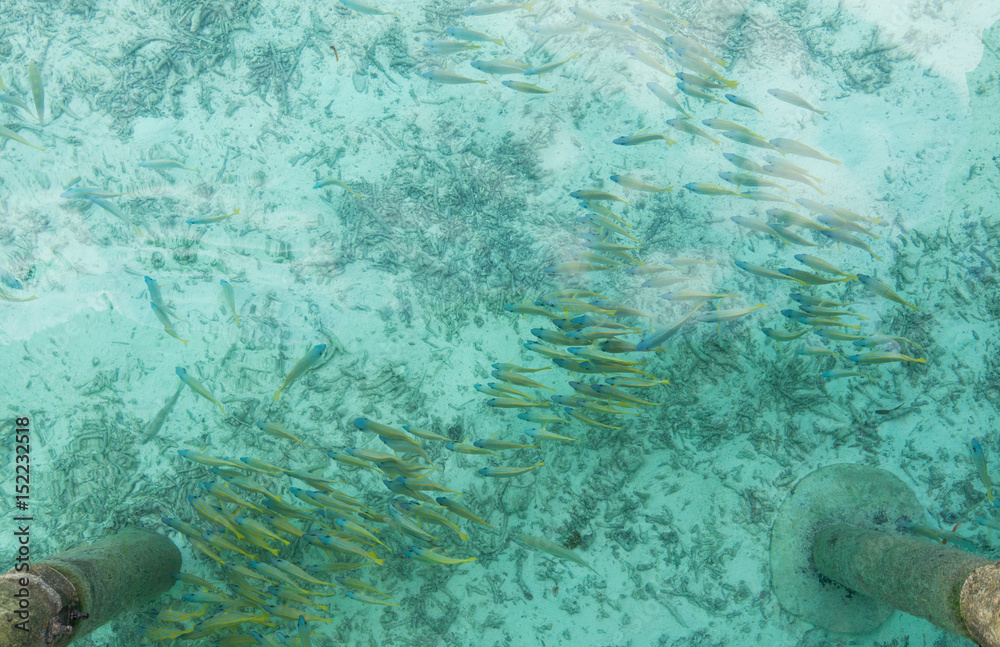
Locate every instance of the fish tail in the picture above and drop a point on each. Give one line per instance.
(375, 559)
(277, 394)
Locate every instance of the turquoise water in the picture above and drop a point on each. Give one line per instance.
(453, 203)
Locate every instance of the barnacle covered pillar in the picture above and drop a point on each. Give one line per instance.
(838, 560)
(67, 596)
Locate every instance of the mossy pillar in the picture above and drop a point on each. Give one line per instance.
(68, 596)
(841, 561)
(922, 578)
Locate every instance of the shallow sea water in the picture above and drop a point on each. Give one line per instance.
(457, 204)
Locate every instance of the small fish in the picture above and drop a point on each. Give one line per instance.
(115, 211)
(788, 174)
(836, 222)
(662, 14)
(710, 189)
(584, 15)
(698, 82)
(848, 239)
(472, 36)
(761, 196)
(7, 296)
(784, 335)
(883, 290)
(507, 472)
(686, 127)
(729, 315)
(764, 272)
(753, 225)
(807, 277)
(156, 422)
(490, 9)
(790, 219)
(165, 320)
(788, 97)
(722, 124)
(687, 58)
(370, 600)
(460, 510)
(37, 90)
(83, 193)
(430, 556)
(612, 27)
(207, 220)
(17, 138)
(156, 297)
(332, 181)
(300, 368)
(230, 297)
(880, 340)
(743, 179)
(691, 295)
(594, 194)
(979, 460)
(780, 163)
(655, 340)
(500, 66)
(638, 185)
(820, 265)
(818, 311)
(365, 9)
(746, 138)
(425, 434)
(743, 103)
(15, 101)
(816, 351)
(447, 78)
(164, 164)
(526, 88)
(816, 207)
(277, 431)
(540, 435)
(204, 459)
(554, 549)
(449, 46)
(645, 59)
(792, 147)
(663, 95)
(695, 93)
(835, 335)
(303, 632)
(884, 358)
(548, 67)
(640, 138)
(791, 237)
(198, 388)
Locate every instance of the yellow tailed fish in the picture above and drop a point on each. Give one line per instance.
(301, 367)
(198, 388)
